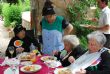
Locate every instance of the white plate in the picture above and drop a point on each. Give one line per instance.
(26, 63)
(12, 61)
(37, 68)
(52, 63)
(18, 41)
(46, 58)
(57, 70)
(24, 56)
(84, 25)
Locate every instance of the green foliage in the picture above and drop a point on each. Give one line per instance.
(77, 16)
(89, 2)
(77, 13)
(25, 5)
(83, 41)
(97, 13)
(1, 8)
(11, 13)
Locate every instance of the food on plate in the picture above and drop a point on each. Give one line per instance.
(18, 43)
(64, 71)
(45, 58)
(25, 57)
(30, 68)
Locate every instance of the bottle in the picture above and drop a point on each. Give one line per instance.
(32, 47)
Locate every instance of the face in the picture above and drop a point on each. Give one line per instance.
(50, 18)
(21, 34)
(68, 46)
(93, 45)
(100, 4)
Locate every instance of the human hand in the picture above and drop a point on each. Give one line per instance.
(55, 52)
(94, 19)
(20, 49)
(71, 59)
(92, 27)
(82, 71)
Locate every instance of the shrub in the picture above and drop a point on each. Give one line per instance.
(11, 13)
(83, 41)
(25, 5)
(1, 8)
(77, 12)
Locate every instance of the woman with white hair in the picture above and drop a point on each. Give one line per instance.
(96, 41)
(72, 50)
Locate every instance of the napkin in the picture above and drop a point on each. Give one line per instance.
(9, 71)
(9, 62)
(4, 62)
(84, 61)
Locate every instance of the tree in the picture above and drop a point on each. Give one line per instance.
(36, 13)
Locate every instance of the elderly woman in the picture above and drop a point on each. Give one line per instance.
(72, 50)
(20, 42)
(95, 44)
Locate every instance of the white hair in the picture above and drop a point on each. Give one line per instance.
(99, 36)
(73, 39)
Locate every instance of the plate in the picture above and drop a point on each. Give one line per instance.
(18, 43)
(62, 71)
(84, 25)
(26, 63)
(46, 58)
(12, 61)
(30, 68)
(24, 56)
(52, 63)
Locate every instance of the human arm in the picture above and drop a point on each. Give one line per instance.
(67, 27)
(103, 66)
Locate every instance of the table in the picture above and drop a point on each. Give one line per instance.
(44, 69)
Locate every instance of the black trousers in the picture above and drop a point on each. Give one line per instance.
(107, 44)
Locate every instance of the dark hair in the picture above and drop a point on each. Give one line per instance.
(48, 3)
(18, 28)
(48, 9)
(106, 1)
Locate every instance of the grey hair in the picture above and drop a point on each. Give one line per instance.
(99, 36)
(73, 39)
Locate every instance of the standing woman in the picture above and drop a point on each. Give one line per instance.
(53, 28)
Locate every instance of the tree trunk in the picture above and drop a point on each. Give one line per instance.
(36, 14)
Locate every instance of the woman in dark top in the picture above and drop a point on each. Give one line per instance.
(21, 42)
(72, 50)
(96, 41)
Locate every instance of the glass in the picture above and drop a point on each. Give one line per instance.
(33, 57)
(11, 50)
